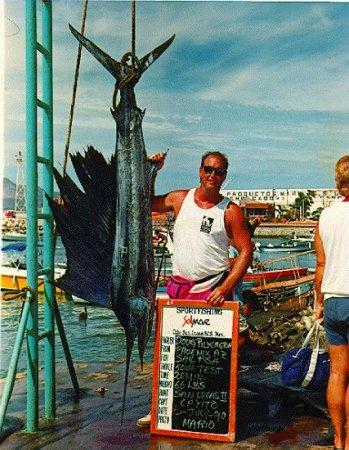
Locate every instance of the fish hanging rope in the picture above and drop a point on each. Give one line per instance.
(75, 85)
(133, 43)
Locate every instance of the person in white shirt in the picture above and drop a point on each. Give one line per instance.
(332, 300)
(205, 225)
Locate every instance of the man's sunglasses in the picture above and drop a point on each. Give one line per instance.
(219, 172)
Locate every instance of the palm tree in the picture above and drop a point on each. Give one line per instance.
(303, 203)
(317, 212)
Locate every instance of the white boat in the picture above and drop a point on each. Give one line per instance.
(304, 240)
(286, 246)
(14, 237)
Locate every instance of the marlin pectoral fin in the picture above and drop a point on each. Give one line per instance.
(148, 59)
(107, 61)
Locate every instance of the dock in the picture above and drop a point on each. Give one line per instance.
(93, 420)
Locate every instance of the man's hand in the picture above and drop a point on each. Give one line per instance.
(218, 296)
(158, 158)
(319, 311)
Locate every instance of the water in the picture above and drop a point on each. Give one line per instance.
(307, 260)
(100, 338)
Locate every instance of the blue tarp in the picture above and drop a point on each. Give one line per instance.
(18, 247)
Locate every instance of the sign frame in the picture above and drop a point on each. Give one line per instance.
(163, 309)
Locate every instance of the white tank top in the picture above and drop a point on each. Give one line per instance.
(334, 233)
(200, 242)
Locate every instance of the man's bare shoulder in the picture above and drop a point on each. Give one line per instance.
(177, 199)
(233, 206)
(233, 210)
(179, 194)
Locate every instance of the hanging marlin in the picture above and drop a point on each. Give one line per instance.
(107, 228)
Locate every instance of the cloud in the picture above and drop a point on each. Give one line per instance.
(265, 82)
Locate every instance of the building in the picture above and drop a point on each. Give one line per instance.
(252, 208)
(281, 197)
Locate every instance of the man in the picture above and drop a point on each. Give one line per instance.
(206, 223)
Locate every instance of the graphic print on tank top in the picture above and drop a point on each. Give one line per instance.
(206, 224)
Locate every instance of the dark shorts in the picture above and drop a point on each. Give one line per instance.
(336, 320)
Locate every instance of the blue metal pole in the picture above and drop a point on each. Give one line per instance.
(48, 255)
(32, 216)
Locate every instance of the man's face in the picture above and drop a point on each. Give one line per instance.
(213, 172)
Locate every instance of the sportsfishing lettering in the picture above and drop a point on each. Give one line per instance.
(206, 224)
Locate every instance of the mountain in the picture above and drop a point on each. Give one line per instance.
(9, 194)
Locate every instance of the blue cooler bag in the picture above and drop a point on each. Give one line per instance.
(305, 366)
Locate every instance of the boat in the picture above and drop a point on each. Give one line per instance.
(13, 279)
(162, 240)
(13, 269)
(279, 281)
(14, 236)
(264, 277)
(282, 268)
(304, 240)
(290, 245)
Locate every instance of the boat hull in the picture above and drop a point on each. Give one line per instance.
(14, 237)
(270, 276)
(13, 279)
(295, 248)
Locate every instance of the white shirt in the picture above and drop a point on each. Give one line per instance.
(334, 233)
(200, 242)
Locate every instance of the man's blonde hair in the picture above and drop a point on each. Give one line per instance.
(342, 175)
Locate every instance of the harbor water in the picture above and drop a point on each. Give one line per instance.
(100, 337)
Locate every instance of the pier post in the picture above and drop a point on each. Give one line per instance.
(32, 216)
(48, 237)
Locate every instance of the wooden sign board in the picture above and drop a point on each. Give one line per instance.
(195, 370)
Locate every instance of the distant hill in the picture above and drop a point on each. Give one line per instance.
(9, 194)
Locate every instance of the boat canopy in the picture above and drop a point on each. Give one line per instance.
(17, 247)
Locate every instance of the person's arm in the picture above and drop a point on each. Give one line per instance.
(237, 230)
(233, 253)
(319, 273)
(159, 203)
(170, 202)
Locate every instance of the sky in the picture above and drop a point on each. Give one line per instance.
(266, 83)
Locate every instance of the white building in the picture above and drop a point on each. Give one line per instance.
(283, 197)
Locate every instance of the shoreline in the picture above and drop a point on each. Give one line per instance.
(265, 229)
(270, 230)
